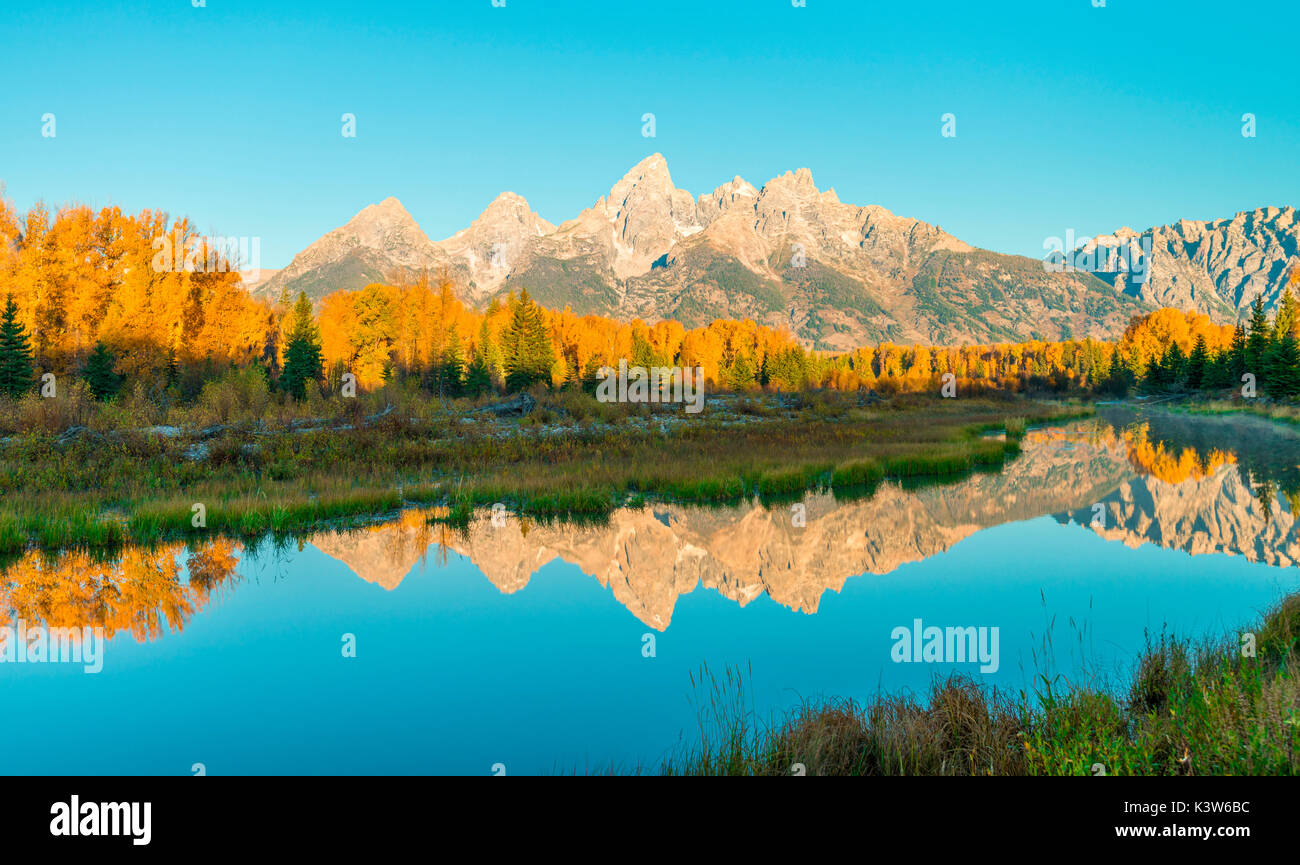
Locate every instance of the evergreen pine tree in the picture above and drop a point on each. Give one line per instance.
(99, 374)
(526, 346)
(1153, 379)
(478, 379)
(742, 374)
(1173, 365)
(478, 375)
(452, 373)
(1219, 372)
(173, 367)
(1119, 379)
(1283, 368)
(1288, 315)
(302, 354)
(16, 357)
(1258, 337)
(1197, 364)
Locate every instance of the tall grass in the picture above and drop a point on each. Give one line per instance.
(1187, 709)
(259, 470)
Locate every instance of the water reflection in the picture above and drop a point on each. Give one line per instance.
(1201, 485)
(140, 592)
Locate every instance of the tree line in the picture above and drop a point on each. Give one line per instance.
(81, 297)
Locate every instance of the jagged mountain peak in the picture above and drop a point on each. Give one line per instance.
(496, 242)
(654, 165)
(800, 180)
(510, 207)
(785, 254)
(388, 210)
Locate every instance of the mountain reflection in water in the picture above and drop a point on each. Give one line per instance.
(1200, 485)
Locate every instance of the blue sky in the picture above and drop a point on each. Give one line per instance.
(1068, 116)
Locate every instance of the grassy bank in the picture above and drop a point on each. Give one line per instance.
(1187, 709)
(104, 481)
(1284, 413)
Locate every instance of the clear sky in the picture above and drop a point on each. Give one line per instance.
(1067, 116)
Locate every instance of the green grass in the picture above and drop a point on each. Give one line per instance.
(1187, 709)
(122, 486)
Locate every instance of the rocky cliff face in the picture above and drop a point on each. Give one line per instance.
(495, 243)
(1218, 267)
(787, 254)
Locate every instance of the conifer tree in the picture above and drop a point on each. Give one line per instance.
(452, 369)
(1154, 379)
(526, 346)
(16, 358)
(1258, 337)
(1285, 321)
(478, 375)
(1237, 354)
(1119, 379)
(1218, 374)
(1197, 364)
(302, 354)
(742, 372)
(1174, 365)
(1283, 368)
(478, 380)
(99, 372)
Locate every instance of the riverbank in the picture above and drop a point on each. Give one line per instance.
(242, 470)
(1225, 708)
(1279, 412)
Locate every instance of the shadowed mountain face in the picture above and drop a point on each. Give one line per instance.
(786, 254)
(1157, 482)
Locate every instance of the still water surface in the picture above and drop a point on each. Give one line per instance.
(526, 645)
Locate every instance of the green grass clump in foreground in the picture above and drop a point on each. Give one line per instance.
(114, 486)
(1187, 710)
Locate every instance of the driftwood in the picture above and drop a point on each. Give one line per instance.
(517, 407)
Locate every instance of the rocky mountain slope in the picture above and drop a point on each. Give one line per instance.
(1218, 267)
(787, 254)
(381, 242)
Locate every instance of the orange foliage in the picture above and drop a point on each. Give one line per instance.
(85, 276)
(140, 592)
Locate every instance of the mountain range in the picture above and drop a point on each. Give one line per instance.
(787, 254)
